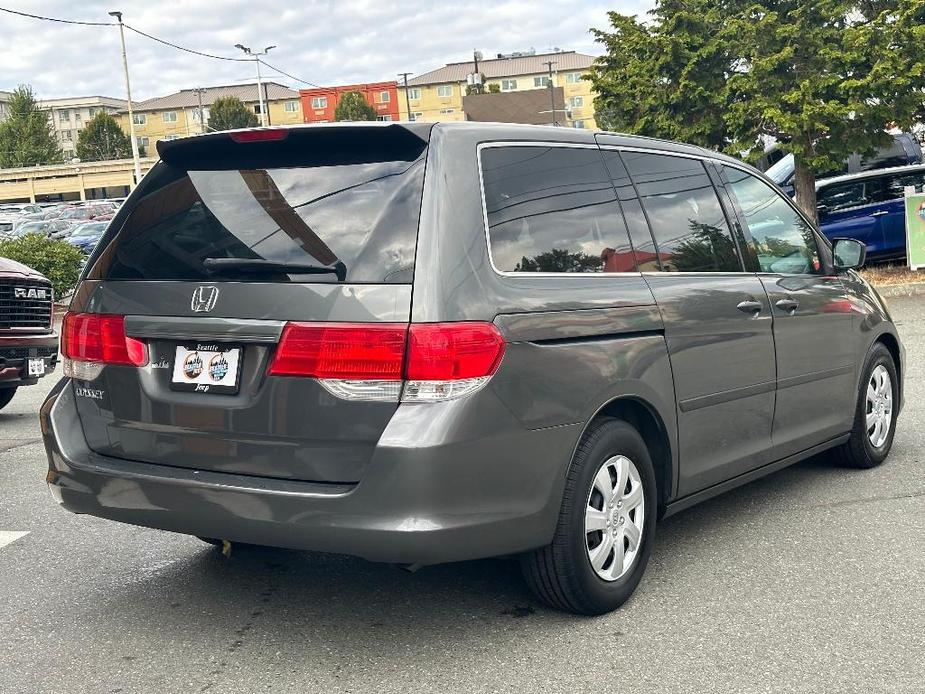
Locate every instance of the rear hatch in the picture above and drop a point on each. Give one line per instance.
(229, 239)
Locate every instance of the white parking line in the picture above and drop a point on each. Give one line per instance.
(8, 536)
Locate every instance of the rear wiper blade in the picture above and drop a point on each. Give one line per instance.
(262, 265)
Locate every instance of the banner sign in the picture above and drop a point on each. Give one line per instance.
(915, 228)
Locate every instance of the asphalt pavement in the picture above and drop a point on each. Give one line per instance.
(810, 580)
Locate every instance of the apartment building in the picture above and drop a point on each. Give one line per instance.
(185, 112)
(438, 95)
(318, 104)
(70, 114)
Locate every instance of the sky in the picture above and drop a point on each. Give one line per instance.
(326, 42)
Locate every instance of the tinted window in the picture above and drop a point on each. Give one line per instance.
(783, 241)
(637, 225)
(841, 196)
(553, 209)
(688, 224)
(892, 187)
(364, 215)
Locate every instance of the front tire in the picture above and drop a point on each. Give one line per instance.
(875, 415)
(606, 525)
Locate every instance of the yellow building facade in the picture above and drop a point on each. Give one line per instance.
(178, 114)
(437, 95)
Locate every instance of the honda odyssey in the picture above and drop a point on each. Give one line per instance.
(422, 343)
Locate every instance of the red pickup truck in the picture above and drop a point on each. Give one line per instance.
(28, 341)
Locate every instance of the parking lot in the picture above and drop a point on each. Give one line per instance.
(809, 580)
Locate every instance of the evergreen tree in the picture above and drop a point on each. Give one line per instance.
(103, 139)
(353, 106)
(230, 113)
(27, 136)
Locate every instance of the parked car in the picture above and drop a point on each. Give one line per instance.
(86, 236)
(904, 150)
(869, 207)
(28, 342)
(47, 227)
(552, 338)
(10, 216)
(86, 213)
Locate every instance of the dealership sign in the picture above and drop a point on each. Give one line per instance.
(915, 228)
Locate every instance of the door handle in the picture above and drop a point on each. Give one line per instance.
(879, 213)
(749, 306)
(789, 305)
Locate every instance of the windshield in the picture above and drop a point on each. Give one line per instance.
(781, 171)
(31, 228)
(89, 230)
(363, 215)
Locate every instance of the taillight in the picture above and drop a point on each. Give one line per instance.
(89, 340)
(391, 361)
(259, 135)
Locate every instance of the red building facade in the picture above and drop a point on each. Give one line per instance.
(318, 104)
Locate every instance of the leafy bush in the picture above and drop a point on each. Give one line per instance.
(58, 260)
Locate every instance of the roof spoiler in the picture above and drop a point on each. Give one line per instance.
(316, 145)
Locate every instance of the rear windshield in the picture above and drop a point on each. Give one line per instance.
(190, 224)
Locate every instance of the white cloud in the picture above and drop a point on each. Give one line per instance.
(322, 41)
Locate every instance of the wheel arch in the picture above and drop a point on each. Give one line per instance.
(650, 424)
(891, 342)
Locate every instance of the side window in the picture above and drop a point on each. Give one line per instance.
(783, 240)
(552, 209)
(689, 228)
(841, 196)
(888, 188)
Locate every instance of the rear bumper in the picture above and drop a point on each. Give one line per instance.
(15, 352)
(421, 501)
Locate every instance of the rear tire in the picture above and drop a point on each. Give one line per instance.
(6, 394)
(878, 397)
(603, 540)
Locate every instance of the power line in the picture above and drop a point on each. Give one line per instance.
(188, 50)
(55, 19)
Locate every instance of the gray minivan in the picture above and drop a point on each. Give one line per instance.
(422, 343)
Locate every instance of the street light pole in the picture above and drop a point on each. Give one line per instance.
(128, 94)
(256, 55)
(404, 76)
(552, 91)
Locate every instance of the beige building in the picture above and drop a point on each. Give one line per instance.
(438, 95)
(69, 115)
(178, 114)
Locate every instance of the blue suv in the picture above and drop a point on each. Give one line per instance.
(869, 207)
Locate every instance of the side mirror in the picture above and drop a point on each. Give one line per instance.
(850, 254)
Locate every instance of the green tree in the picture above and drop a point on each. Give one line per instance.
(27, 136)
(824, 78)
(561, 260)
(58, 260)
(230, 113)
(103, 139)
(354, 106)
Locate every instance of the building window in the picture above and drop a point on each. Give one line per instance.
(386, 117)
(143, 142)
(291, 106)
(171, 137)
(257, 108)
(169, 117)
(66, 135)
(447, 111)
(384, 97)
(417, 115)
(541, 81)
(508, 85)
(64, 116)
(139, 118)
(414, 94)
(319, 102)
(573, 77)
(91, 111)
(576, 101)
(445, 90)
(579, 124)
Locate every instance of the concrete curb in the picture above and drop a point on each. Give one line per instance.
(909, 289)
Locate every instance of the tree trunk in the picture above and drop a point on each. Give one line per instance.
(804, 187)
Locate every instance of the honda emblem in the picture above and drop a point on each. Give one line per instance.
(204, 298)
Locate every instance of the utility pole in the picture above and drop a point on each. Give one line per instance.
(202, 122)
(128, 94)
(256, 55)
(552, 91)
(404, 76)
